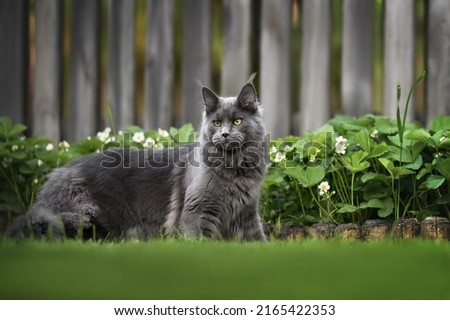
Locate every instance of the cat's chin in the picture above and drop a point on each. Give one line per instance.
(227, 146)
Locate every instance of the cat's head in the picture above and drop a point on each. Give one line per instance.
(229, 122)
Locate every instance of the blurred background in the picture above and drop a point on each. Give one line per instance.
(69, 68)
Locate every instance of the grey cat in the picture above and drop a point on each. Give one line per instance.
(208, 189)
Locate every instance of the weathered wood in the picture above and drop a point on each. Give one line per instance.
(357, 57)
(275, 65)
(399, 48)
(375, 229)
(236, 46)
(437, 228)
(121, 64)
(196, 61)
(438, 59)
(159, 65)
(315, 64)
(47, 98)
(13, 59)
(406, 228)
(83, 112)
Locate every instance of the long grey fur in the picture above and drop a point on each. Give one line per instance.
(210, 188)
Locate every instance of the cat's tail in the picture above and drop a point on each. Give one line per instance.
(38, 222)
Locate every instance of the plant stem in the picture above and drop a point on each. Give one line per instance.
(352, 188)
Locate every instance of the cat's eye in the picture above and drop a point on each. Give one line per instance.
(237, 121)
(217, 123)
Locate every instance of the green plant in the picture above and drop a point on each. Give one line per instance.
(353, 169)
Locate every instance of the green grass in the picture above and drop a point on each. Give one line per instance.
(216, 270)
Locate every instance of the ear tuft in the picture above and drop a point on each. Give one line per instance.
(210, 99)
(248, 99)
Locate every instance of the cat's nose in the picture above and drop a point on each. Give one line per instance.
(225, 134)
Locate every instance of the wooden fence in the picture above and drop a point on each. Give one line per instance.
(62, 101)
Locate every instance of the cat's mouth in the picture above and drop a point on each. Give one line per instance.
(227, 145)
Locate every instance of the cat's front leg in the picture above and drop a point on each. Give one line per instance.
(199, 224)
(253, 229)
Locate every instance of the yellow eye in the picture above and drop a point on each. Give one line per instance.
(217, 123)
(237, 121)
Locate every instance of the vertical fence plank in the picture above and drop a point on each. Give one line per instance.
(159, 65)
(275, 65)
(121, 61)
(196, 57)
(13, 59)
(237, 45)
(48, 73)
(85, 69)
(357, 57)
(438, 59)
(315, 64)
(399, 47)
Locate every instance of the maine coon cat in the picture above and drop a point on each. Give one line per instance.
(210, 188)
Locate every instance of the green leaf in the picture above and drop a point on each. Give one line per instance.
(388, 208)
(375, 203)
(418, 135)
(428, 168)
(440, 122)
(275, 177)
(5, 126)
(362, 138)
(385, 125)
(387, 164)
(309, 177)
(372, 176)
(443, 166)
(433, 182)
(393, 170)
(17, 129)
(347, 208)
(19, 154)
(185, 134)
(416, 164)
(379, 149)
(356, 161)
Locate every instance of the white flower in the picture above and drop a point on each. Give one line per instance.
(49, 147)
(104, 135)
(163, 133)
(14, 148)
(64, 145)
(6, 162)
(324, 186)
(35, 181)
(374, 134)
(341, 145)
(120, 133)
(138, 137)
(273, 150)
(40, 162)
(279, 157)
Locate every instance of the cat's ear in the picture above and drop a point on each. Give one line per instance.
(248, 99)
(210, 99)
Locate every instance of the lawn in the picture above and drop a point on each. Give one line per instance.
(173, 269)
